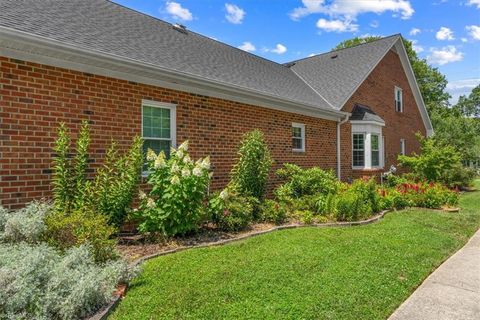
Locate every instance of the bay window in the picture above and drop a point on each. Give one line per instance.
(367, 145)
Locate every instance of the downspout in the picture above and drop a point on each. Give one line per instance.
(339, 161)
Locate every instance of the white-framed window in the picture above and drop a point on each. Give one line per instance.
(298, 137)
(158, 126)
(402, 147)
(375, 149)
(358, 149)
(398, 99)
(367, 145)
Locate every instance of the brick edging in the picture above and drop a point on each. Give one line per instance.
(103, 313)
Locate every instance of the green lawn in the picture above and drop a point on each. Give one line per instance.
(309, 273)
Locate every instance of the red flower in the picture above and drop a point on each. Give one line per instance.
(226, 213)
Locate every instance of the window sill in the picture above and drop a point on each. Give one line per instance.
(368, 169)
(298, 150)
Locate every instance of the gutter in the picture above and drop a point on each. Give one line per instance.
(92, 58)
(339, 161)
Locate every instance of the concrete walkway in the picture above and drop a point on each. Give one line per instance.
(451, 292)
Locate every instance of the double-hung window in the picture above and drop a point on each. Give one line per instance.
(402, 147)
(298, 137)
(398, 99)
(358, 149)
(158, 126)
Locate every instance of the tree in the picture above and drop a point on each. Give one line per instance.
(469, 106)
(431, 82)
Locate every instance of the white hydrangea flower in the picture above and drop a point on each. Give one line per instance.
(175, 168)
(187, 159)
(197, 171)
(224, 194)
(150, 203)
(180, 153)
(142, 195)
(160, 161)
(185, 172)
(151, 156)
(183, 146)
(175, 180)
(206, 163)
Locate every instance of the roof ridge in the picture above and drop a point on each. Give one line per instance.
(337, 50)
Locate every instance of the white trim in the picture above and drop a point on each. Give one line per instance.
(173, 120)
(364, 148)
(368, 122)
(21, 45)
(302, 132)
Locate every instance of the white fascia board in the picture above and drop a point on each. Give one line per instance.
(24, 46)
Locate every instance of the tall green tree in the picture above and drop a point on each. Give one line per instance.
(469, 106)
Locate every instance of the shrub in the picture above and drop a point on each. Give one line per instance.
(458, 177)
(250, 173)
(231, 211)
(115, 183)
(39, 283)
(113, 188)
(273, 211)
(366, 189)
(436, 163)
(175, 204)
(302, 182)
(352, 206)
(82, 226)
(305, 216)
(25, 224)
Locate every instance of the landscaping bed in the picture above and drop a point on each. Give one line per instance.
(329, 273)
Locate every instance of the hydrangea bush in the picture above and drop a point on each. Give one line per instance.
(175, 204)
(230, 210)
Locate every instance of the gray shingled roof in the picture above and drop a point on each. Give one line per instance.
(364, 113)
(336, 74)
(107, 27)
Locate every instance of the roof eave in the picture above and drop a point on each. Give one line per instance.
(77, 58)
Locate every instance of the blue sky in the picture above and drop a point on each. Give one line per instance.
(445, 32)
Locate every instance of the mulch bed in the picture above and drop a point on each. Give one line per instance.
(133, 247)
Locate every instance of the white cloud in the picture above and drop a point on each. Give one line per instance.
(374, 24)
(414, 31)
(176, 10)
(336, 25)
(461, 87)
(444, 55)
(474, 3)
(234, 14)
(351, 9)
(279, 49)
(444, 33)
(416, 47)
(464, 39)
(247, 46)
(474, 31)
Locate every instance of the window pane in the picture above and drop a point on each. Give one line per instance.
(358, 142)
(297, 132)
(156, 122)
(297, 143)
(375, 158)
(157, 146)
(358, 158)
(374, 142)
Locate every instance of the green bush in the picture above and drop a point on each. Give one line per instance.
(81, 226)
(273, 211)
(175, 204)
(352, 207)
(37, 282)
(367, 191)
(437, 163)
(231, 211)
(116, 182)
(250, 173)
(305, 216)
(305, 182)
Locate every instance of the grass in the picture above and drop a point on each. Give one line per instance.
(361, 272)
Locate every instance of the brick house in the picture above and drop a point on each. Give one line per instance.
(352, 110)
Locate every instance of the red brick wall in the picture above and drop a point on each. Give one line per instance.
(377, 92)
(35, 98)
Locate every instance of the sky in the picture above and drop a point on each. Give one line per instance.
(445, 32)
